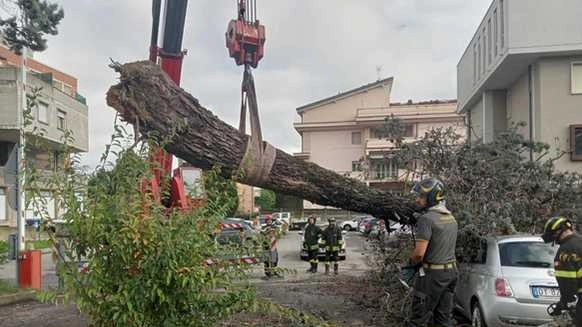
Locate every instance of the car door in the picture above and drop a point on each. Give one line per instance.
(473, 276)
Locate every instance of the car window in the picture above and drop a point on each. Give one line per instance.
(527, 254)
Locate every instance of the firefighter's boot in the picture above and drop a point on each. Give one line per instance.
(314, 269)
(327, 268)
(311, 267)
(335, 268)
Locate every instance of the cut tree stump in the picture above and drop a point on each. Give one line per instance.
(149, 99)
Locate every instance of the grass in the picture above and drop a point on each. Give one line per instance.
(38, 245)
(7, 288)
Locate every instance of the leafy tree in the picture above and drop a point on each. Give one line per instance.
(267, 200)
(223, 191)
(3, 252)
(33, 20)
(493, 188)
(145, 265)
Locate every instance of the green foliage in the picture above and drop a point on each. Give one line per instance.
(39, 245)
(27, 28)
(146, 265)
(3, 252)
(221, 191)
(267, 200)
(494, 187)
(7, 288)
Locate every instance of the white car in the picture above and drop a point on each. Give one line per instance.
(284, 217)
(350, 225)
(510, 281)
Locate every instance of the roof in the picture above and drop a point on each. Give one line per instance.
(360, 89)
(429, 102)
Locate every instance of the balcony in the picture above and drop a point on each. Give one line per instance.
(375, 145)
(302, 155)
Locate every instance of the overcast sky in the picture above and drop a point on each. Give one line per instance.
(314, 49)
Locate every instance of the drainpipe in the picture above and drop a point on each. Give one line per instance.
(531, 122)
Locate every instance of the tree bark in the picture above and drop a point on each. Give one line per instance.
(149, 99)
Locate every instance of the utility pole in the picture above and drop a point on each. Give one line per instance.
(20, 169)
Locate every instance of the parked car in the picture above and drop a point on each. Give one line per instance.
(510, 281)
(247, 224)
(321, 252)
(245, 232)
(363, 223)
(370, 225)
(298, 224)
(399, 228)
(284, 217)
(349, 225)
(353, 224)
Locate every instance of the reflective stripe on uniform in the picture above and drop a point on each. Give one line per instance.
(557, 223)
(569, 273)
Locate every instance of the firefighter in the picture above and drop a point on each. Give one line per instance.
(311, 243)
(567, 264)
(434, 257)
(270, 248)
(332, 237)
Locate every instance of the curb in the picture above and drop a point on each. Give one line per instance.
(17, 297)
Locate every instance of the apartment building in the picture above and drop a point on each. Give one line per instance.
(60, 108)
(339, 131)
(524, 64)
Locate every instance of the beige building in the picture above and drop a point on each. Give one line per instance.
(246, 199)
(339, 131)
(524, 64)
(59, 109)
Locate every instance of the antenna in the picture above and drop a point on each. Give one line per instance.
(379, 69)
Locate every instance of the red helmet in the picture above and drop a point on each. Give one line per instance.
(268, 219)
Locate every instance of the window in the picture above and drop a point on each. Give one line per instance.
(527, 254)
(68, 89)
(576, 142)
(356, 138)
(61, 120)
(43, 112)
(3, 208)
(502, 24)
(409, 131)
(484, 58)
(42, 207)
(5, 152)
(495, 33)
(476, 255)
(489, 39)
(356, 166)
(475, 63)
(385, 169)
(577, 78)
(479, 59)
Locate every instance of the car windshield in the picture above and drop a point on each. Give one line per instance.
(527, 254)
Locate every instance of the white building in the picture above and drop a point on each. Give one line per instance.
(524, 64)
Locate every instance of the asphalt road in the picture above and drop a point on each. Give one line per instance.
(289, 247)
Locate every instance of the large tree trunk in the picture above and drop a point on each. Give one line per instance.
(147, 98)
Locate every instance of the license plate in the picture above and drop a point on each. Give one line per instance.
(541, 291)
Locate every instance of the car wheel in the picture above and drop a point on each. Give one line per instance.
(347, 228)
(477, 316)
